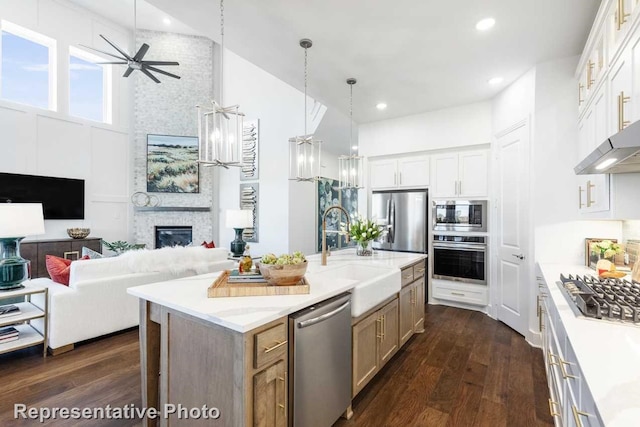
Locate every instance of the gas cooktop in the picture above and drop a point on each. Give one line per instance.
(608, 299)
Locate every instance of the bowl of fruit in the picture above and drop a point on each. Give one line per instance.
(285, 270)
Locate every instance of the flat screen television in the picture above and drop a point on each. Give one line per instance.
(61, 198)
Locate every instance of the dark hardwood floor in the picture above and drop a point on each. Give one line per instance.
(465, 370)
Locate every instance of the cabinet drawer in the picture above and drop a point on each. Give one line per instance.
(407, 275)
(452, 291)
(418, 270)
(269, 345)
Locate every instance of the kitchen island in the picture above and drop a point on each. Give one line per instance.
(232, 353)
(592, 364)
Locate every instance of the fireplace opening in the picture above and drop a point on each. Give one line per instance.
(175, 235)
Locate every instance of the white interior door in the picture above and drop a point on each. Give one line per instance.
(513, 227)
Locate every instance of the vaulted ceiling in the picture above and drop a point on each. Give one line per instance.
(415, 55)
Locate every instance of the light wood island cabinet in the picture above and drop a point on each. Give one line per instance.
(188, 360)
(380, 332)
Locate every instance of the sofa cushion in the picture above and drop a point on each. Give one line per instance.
(58, 269)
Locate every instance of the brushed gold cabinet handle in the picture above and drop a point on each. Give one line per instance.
(577, 414)
(580, 87)
(278, 345)
(563, 370)
(590, 201)
(621, 17)
(551, 411)
(580, 191)
(421, 270)
(280, 405)
(622, 123)
(460, 294)
(590, 79)
(550, 356)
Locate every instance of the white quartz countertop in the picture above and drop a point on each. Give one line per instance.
(242, 314)
(608, 353)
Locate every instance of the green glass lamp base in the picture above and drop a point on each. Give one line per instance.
(13, 268)
(238, 245)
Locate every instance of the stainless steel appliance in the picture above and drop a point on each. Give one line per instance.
(618, 154)
(404, 213)
(460, 258)
(320, 362)
(460, 215)
(609, 299)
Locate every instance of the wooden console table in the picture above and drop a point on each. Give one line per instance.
(36, 251)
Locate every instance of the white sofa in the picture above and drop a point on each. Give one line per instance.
(96, 301)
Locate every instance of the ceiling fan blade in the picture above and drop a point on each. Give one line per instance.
(141, 52)
(160, 63)
(112, 63)
(151, 76)
(158, 70)
(104, 53)
(123, 53)
(128, 72)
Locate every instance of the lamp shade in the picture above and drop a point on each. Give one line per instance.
(239, 218)
(21, 219)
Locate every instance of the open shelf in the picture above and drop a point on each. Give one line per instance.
(28, 312)
(28, 337)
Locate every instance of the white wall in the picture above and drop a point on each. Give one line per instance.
(52, 143)
(447, 128)
(287, 209)
(515, 103)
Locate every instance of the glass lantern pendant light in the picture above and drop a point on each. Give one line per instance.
(304, 151)
(220, 129)
(350, 167)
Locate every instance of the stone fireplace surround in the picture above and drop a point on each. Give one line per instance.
(147, 221)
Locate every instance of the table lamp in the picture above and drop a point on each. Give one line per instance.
(239, 219)
(17, 220)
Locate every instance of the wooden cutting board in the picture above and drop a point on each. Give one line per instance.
(221, 288)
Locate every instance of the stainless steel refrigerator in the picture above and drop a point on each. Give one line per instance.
(404, 214)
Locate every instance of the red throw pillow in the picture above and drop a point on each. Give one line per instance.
(59, 268)
(210, 245)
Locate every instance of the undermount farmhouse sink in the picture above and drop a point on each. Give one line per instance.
(375, 284)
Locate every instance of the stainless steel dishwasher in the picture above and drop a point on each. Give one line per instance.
(320, 362)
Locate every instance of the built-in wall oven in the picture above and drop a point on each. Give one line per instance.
(460, 258)
(460, 215)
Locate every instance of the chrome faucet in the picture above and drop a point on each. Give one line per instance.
(324, 230)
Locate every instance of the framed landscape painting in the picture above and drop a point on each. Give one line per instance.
(172, 164)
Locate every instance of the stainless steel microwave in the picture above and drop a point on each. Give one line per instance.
(460, 215)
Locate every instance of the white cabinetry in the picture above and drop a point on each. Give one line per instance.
(460, 174)
(609, 99)
(593, 190)
(404, 172)
(570, 400)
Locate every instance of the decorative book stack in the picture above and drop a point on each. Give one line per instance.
(9, 310)
(9, 334)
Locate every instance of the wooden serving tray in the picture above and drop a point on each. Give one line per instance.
(222, 288)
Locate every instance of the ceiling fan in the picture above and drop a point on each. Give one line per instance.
(136, 61)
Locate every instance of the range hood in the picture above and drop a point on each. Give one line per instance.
(618, 154)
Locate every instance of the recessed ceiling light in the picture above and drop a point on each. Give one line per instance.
(355, 147)
(381, 106)
(485, 24)
(166, 21)
(495, 81)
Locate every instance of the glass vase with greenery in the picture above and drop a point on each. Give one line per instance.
(363, 232)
